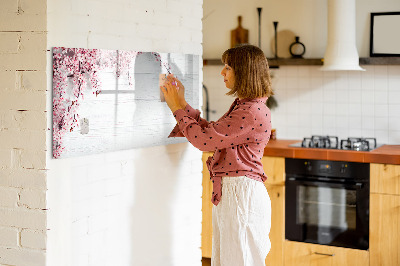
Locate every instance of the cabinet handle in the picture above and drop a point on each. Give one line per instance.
(325, 254)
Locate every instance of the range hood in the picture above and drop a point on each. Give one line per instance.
(341, 51)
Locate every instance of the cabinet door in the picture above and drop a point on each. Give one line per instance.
(385, 178)
(274, 168)
(206, 225)
(277, 233)
(384, 230)
(304, 254)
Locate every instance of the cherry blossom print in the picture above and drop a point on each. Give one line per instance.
(76, 73)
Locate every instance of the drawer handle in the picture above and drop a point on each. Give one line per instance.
(325, 254)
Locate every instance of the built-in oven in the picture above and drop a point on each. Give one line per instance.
(327, 202)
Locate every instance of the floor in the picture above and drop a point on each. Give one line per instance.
(206, 261)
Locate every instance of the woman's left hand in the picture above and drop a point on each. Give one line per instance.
(171, 96)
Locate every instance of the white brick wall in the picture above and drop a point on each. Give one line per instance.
(23, 124)
(135, 207)
(99, 206)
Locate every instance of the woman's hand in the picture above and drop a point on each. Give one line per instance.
(171, 94)
(181, 89)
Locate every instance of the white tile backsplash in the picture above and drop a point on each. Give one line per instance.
(394, 110)
(343, 103)
(394, 97)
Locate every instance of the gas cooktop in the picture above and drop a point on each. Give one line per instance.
(332, 142)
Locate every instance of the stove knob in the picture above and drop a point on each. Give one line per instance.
(308, 166)
(343, 168)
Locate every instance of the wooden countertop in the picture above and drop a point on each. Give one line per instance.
(389, 154)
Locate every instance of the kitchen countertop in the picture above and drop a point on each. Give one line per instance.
(389, 154)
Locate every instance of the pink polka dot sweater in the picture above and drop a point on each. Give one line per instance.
(238, 139)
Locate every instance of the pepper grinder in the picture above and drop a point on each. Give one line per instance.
(259, 26)
(276, 39)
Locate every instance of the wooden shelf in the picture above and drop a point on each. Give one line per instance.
(273, 63)
(380, 61)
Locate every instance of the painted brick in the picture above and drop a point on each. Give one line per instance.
(176, 7)
(168, 46)
(33, 7)
(16, 158)
(8, 6)
(33, 199)
(9, 42)
(168, 20)
(135, 16)
(8, 197)
(33, 159)
(196, 38)
(153, 32)
(80, 39)
(9, 237)
(98, 222)
(196, 10)
(33, 239)
(23, 178)
(5, 158)
(33, 42)
(7, 80)
(23, 22)
(31, 55)
(80, 227)
(23, 218)
(16, 256)
(130, 41)
(30, 61)
(103, 11)
(31, 80)
(33, 120)
(190, 47)
(191, 23)
(150, 7)
(35, 140)
(23, 100)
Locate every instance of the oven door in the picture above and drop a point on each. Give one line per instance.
(327, 213)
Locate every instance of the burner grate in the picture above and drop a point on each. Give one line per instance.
(327, 142)
(332, 142)
(358, 144)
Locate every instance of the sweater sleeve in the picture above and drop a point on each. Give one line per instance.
(229, 131)
(193, 113)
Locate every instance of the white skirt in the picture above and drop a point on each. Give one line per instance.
(241, 223)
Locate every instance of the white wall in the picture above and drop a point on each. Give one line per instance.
(133, 207)
(311, 102)
(23, 133)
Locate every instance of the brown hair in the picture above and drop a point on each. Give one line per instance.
(250, 66)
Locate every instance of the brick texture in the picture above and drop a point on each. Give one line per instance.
(33, 239)
(23, 132)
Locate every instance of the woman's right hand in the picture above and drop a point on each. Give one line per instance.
(181, 90)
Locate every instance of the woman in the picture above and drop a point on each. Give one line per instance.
(242, 209)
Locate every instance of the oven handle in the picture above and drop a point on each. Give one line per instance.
(324, 254)
(357, 185)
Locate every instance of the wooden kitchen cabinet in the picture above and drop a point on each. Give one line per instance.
(277, 233)
(385, 178)
(274, 168)
(206, 225)
(384, 236)
(305, 254)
